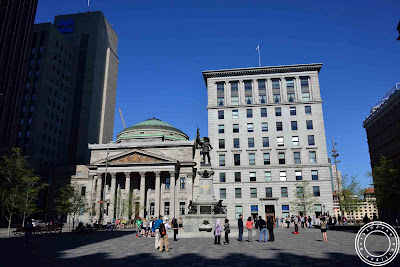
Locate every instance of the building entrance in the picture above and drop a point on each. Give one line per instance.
(269, 211)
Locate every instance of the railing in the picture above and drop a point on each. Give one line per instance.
(384, 99)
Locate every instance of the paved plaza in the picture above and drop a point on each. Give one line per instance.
(124, 249)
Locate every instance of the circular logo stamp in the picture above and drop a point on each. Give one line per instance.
(380, 228)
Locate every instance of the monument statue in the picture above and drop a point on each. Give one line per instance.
(206, 147)
(192, 209)
(206, 174)
(198, 141)
(218, 208)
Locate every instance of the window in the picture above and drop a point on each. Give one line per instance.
(311, 141)
(314, 175)
(248, 92)
(249, 113)
(238, 177)
(281, 156)
(299, 176)
(220, 94)
(222, 193)
(305, 90)
(152, 208)
(282, 175)
(236, 128)
(234, 93)
(268, 192)
(279, 126)
(220, 114)
(295, 140)
(265, 141)
(294, 125)
(253, 192)
(182, 206)
(309, 125)
(296, 156)
(292, 111)
(284, 192)
(262, 92)
(183, 183)
(250, 128)
(236, 143)
(251, 142)
(235, 114)
(267, 176)
(264, 112)
(221, 160)
(238, 193)
(166, 208)
(316, 191)
(221, 128)
(236, 158)
(264, 126)
(290, 89)
(167, 182)
(279, 140)
(307, 110)
(252, 159)
(253, 177)
(267, 159)
(278, 112)
(83, 191)
(313, 157)
(276, 90)
(299, 191)
(238, 211)
(222, 177)
(221, 143)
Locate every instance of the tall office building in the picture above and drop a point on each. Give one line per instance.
(17, 17)
(95, 83)
(267, 129)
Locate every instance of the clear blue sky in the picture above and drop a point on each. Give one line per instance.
(165, 45)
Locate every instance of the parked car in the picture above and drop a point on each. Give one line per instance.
(39, 223)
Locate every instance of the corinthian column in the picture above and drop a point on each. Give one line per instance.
(98, 195)
(172, 194)
(112, 196)
(142, 193)
(127, 193)
(158, 187)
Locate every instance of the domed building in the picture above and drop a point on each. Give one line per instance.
(148, 170)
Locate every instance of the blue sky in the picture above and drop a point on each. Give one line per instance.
(165, 45)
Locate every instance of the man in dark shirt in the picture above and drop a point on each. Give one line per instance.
(263, 229)
(240, 226)
(270, 227)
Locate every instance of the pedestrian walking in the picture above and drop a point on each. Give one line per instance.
(164, 236)
(157, 224)
(175, 227)
(249, 226)
(227, 230)
(263, 229)
(28, 231)
(240, 227)
(217, 232)
(270, 227)
(323, 230)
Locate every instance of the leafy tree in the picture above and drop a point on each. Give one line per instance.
(349, 197)
(79, 204)
(304, 198)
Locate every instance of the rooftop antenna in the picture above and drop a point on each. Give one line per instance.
(122, 118)
(88, 4)
(259, 59)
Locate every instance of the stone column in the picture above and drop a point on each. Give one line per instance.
(297, 86)
(157, 197)
(189, 189)
(119, 199)
(90, 199)
(127, 193)
(142, 193)
(98, 195)
(256, 98)
(268, 86)
(112, 195)
(172, 194)
(283, 90)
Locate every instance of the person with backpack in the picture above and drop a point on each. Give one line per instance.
(164, 237)
(157, 224)
(263, 229)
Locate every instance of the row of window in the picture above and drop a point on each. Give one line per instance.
(268, 192)
(182, 184)
(167, 208)
(264, 127)
(268, 177)
(276, 85)
(265, 141)
(312, 156)
(263, 112)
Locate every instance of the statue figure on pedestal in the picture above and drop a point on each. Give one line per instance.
(192, 208)
(218, 208)
(206, 147)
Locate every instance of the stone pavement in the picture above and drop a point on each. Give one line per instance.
(124, 249)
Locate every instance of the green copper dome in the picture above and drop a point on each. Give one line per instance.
(153, 127)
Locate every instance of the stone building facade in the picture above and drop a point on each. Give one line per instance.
(267, 129)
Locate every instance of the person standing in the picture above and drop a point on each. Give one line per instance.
(296, 224)
(366, 219)
(138, 226)
(217, 232)
(28, 231)
(240, 226)
(263, 230)
(270, 227)
(249, 226)
(309, 221)
(323, 230)
(163, 236)
(227, 230)
(175, 227)
(157, 224)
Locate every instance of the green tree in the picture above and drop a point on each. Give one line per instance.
(350, 195)
(304, 198)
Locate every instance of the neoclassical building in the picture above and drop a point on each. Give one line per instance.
(149, 170)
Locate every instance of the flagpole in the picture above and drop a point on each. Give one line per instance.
(259, 58)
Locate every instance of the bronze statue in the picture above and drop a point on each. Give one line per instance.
(206, 147)
(198, 141)
(218, 208)
(192, 208)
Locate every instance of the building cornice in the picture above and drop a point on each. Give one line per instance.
(261, 70)
(140, 145)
